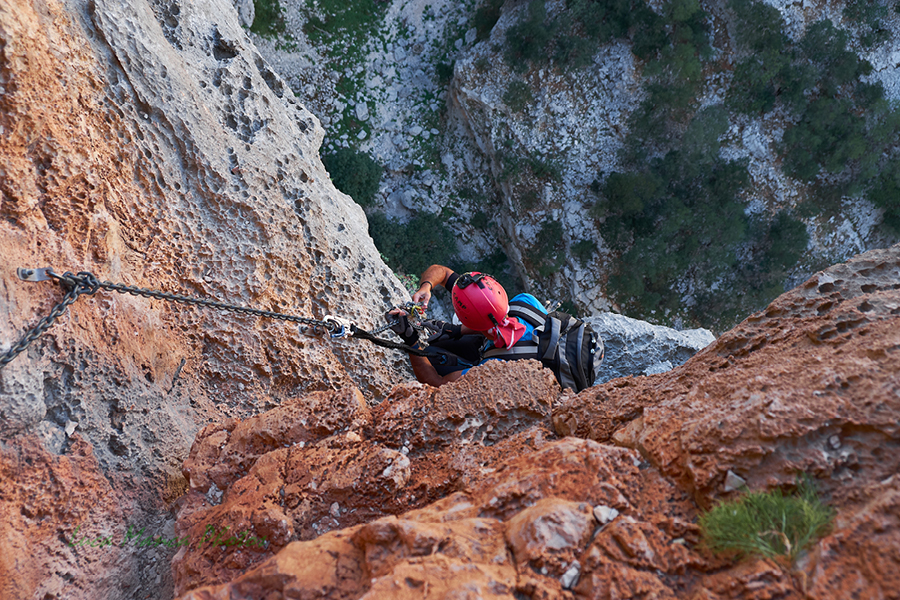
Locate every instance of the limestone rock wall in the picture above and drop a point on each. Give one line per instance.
(149, 143)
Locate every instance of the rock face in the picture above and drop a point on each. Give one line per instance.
(149, 143)
(326, 461)
(820, 364)
(537, 516)
(811, 384)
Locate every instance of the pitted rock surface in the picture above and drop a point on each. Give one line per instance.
(149, 143)
(517, 531)
(810, 384)
(223, 452)
(327, 461)
(484, 406)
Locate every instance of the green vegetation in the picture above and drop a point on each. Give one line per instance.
(527, 40)
(674, 211)
(354, 173)
(868, 15)
(584, 251)
(497, 265)
(480, 220)
(444, 72)
(548, 252)
(268, 18)
(486, 17)
(843, 125)
(518, 95)
(413, 246)
(767, 524)
(679, 214)
(529, 200)
(885, 193)
(344, 26)
(571, 38)
(675, 58)
(770, 69)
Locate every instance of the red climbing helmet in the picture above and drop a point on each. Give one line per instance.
(481, 304)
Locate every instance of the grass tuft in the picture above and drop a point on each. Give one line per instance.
(767, 524)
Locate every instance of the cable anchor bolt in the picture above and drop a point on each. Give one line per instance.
(44, 274)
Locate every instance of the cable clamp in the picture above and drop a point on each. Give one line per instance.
(44, 274)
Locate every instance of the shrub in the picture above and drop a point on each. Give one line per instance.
(354, 173)
(826, 46)
(511, 165)
(529, 200)
(486, 17)
(527, 40)
(828, 137)
(547, 251)
(444, 72)
(767, 523)
(413, 246)
(786, 241)
(574, 51)
(518, 95)
(674, 219)
(885, 193)
(760, 26)
(480, 220)
(868, 16)
(497, 265)
(544, 168)
(268, 18)
(584, 251)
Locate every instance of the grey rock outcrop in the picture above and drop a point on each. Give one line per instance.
(635, 347)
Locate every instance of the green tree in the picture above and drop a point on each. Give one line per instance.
(354, 173)
(486, 17)
(885, 194)
(785, 242)
(413, 246)
(527, 40)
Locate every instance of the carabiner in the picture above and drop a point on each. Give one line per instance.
(343, 327)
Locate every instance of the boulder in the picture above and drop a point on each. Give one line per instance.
(635, 347)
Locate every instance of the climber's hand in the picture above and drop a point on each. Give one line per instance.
(422, 296)
(402, 327)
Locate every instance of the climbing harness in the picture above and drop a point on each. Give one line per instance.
(84, 282)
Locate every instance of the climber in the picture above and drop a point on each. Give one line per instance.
(483, 309)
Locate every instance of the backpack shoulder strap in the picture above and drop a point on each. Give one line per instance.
(527, 312)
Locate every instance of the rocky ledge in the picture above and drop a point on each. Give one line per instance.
(499, 486)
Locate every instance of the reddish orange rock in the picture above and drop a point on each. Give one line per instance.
(810, 384)
(520, 530)
(487, 503)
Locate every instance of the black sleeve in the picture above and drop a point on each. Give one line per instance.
(451, 280)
